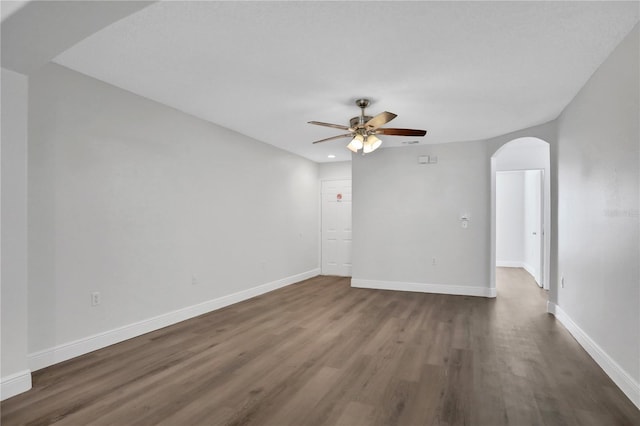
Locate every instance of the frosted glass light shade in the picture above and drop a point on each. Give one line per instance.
(371, 144)
(356, 143)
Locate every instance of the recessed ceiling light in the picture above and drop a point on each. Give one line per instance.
(331, 156)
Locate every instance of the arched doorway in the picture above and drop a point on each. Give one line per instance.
(531, 157)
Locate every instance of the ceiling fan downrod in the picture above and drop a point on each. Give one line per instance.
(358, 122)
(362, 103)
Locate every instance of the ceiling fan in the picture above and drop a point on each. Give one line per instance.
(363, 129)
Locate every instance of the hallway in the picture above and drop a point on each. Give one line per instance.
(544, 376)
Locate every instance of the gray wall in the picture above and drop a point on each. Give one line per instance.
(13, 277)
(406, 214)
(598, 225)
(155, 209)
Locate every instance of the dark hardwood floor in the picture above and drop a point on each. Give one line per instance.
(322, 353)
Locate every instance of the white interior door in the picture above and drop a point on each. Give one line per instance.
(336, 227)
(534, 223)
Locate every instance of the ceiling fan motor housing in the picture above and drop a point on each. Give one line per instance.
(355, 121)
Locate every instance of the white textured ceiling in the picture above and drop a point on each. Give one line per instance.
(35, 32)
(461, 70)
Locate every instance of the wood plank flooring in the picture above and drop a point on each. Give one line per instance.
(322, 353)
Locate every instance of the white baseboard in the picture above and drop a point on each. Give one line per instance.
(47, 357)
(621, 378)
(509, 264)
(551, 308)
(529, 269)
(425, 288)
(14, 384)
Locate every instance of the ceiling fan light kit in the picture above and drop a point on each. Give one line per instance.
(356, 143)
(363, 129)
(371, 144)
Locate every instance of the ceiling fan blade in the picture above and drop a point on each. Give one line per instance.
(401, 132)
(380, 120)
(346, 135)
(335, 126)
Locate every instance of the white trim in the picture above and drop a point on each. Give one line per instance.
(14, 384)
(320, 241)
(334, 178)
(510, 264)
(88, 344)
(463, 290)
(625, 382)
(532, 272)
(551, 307)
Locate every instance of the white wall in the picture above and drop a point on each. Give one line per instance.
(157, 210)
(14, 369)
(598, 225)
(510, 213)
(335, 170)
(523, 154)
(406, 214)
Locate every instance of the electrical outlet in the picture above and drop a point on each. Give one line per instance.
(194, 280)
(95, 298)
(562, 282)
(433, 261)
